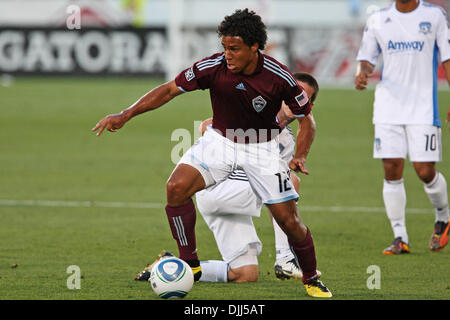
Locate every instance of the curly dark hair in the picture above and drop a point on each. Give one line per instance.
(245, 24)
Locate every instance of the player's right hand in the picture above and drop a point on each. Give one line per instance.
(361, 80)
(112, 123)
(298, 165)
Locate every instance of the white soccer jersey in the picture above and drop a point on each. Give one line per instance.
(410, 45)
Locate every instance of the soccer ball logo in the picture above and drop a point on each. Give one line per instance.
(171, 278)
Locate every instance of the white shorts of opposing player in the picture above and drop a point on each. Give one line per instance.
(421, 143)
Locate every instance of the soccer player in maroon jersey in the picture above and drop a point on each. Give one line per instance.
(246, 88)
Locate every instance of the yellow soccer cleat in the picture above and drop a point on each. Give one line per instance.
(197, 271)
(317, 289)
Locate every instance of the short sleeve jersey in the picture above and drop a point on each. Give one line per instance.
(245, 101)
(411, 45)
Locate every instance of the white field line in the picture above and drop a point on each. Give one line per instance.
(78, 204)
(153, 205)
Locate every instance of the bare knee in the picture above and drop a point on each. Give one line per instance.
(393, 169)
(289, 221)
(176, 193)
(248, 273)
(426, 171)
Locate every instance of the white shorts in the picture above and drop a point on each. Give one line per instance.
(421, 143)
(216, 157)
(232, 196)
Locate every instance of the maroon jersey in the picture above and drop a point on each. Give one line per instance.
(246, 101)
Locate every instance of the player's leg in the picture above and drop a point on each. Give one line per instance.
(394, 198)
(302, 244)
(246, 273)
(242, 269)
(286, 265)
(426, 150)
(282, 247)
(228, 209)
(287, 218)
(436, 191)
(184, 181)
(201, 166)
(239, 246)
(269, 177)
(390, 145)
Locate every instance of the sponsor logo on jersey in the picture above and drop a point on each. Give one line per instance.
(259, 103)
(425, 27)
(406, 45)
(189, 74)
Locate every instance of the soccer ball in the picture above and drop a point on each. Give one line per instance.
(171, 278)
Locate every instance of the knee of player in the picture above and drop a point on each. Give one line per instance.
(246, 275)
(426, 173)
(393, 169)
(287, 221)
(249, 278)
(175, 188)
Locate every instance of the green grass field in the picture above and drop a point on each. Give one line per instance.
(48, 152)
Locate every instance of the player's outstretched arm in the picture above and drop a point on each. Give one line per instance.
(150, 101)
(305, 138)
(363, 72)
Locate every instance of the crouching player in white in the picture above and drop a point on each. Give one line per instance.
(229, 207)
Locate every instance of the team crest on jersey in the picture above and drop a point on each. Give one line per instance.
(259, 103)
(189, 74)
(425, 27)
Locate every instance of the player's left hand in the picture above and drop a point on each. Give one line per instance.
(298, 165)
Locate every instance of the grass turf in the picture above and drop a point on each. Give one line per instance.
(49, 153)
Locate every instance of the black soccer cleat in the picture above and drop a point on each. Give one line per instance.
(144, 275)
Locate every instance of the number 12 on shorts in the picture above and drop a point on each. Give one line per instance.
(283, 183)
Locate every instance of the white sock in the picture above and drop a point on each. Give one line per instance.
(282, 248)
(436, 191)
(214, 271)
(394, 197)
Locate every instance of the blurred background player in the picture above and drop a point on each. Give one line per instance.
(409, 35)
(228, 209)
(247, 88)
